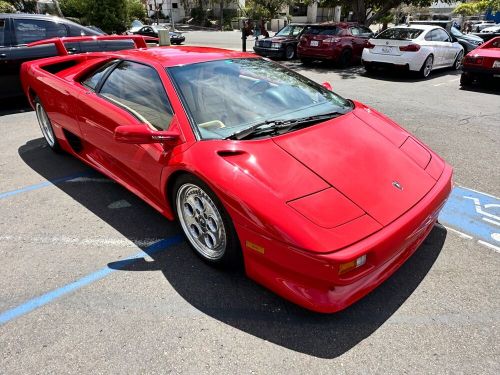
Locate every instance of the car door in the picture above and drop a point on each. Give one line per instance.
(431, 40)
(7, 71)
(128, 93)
(27, 30)
(449, 50)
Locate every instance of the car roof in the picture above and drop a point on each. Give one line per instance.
(419, 27)
(180, 55)
(27, 16)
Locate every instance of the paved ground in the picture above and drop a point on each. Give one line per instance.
(70, 302)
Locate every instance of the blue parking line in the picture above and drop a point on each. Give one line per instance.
(473, 213)
(48, 297)
(44, 184)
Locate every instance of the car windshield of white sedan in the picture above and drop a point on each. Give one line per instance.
(228, 96)
(400, 34)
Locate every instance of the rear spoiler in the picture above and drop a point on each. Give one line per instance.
(139, 41)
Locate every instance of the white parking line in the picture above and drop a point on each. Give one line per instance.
(67, 240)
(487, 244)
(463, 235)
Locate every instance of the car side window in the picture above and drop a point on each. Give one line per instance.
(138, 89)
(354, 31)
(31, 30)
(3, 26)
(442, 36)
(429, 36)
(92, 80)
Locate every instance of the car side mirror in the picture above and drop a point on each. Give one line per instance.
(137, 134)
(327, 86)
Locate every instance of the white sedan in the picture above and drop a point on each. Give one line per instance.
(418, 48)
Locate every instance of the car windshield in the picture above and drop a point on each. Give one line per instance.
(399, 33)
(455, 32)
(290, 30)
(228, 96)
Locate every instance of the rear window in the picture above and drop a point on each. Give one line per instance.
(400, 34)
(332, 30)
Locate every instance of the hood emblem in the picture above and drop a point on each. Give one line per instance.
(397, 185)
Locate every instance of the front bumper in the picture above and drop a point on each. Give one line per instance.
(312, 280)
(269, 52)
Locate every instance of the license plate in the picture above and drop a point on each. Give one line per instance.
(386, 49)
(496, 64)
(314, 43)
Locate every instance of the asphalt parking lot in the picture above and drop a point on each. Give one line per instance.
(93, 280)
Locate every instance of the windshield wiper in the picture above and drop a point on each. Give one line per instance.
(275, 125)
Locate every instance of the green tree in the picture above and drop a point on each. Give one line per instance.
(25, 6)
(73, 8)
(136, 10)
(6, 7)
(110, 15)
(268, 8)
(477, 6)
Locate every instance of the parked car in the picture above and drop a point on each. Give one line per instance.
(339, 42)
(468, 41)
(491, 29)
(417, 48)
(17, 30)
(283, 44)
(480, 25)
(482, 64)
(320, 198)
(146, 30)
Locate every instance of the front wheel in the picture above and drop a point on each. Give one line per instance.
(289, 52)
(46, 126)
(206, 224)
(345, 58)
(466, 80)
(426, 69)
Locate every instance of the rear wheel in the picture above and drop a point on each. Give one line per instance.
(458, 61)
(206, 224)
(46, 126)
(466, 79)
(289, 52)
(345, 58)
(426, 69)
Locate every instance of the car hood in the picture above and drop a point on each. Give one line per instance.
(471, 38)
(362, 163)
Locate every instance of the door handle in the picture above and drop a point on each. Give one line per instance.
(3, 55)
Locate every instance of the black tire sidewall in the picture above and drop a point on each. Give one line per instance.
(286, 52)
(232, 258)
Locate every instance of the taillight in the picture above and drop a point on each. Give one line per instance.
(410, 48)
(331, 40)
(369, 45)
(476, 60)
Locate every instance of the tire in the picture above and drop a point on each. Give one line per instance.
(46, 126)
(289, 52)
(345, 58)
(205, 223)
(458, 61)
(465, 80)
(426, 69)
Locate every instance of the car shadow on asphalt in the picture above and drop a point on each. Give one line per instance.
(12, 106)
(230, 297)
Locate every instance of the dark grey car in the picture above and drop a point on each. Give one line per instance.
(17, 30)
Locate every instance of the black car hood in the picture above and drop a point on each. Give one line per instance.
(280, 39)
(470, 38)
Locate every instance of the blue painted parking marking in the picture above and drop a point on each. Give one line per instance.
(474, 213)
(48, 297)
(44, 184)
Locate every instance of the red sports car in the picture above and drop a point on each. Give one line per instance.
(482, 64)
(319, 197)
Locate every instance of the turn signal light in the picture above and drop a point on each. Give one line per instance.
(410, 48)
(474, 60)
(346, 267)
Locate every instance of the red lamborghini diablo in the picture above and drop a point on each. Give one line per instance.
(319, 197)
